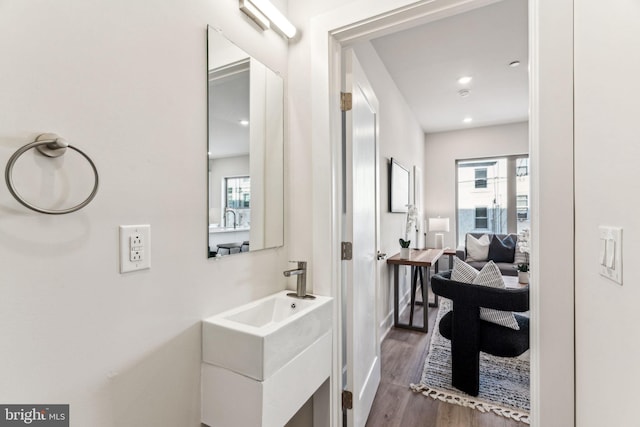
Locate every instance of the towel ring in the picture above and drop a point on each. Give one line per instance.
(50, 145)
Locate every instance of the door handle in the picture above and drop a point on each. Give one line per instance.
(381, 256)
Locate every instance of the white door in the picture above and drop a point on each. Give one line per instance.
(360, 277)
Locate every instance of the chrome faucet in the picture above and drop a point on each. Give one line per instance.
(301, 285)
(226, 211)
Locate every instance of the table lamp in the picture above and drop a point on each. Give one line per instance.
(438, 225)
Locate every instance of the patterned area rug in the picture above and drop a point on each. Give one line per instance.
(504, 381)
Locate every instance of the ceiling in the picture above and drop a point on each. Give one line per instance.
(426, 62)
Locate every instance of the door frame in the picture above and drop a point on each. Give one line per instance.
(551, 150)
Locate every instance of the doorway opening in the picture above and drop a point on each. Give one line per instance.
(498, 212)
(551, 130)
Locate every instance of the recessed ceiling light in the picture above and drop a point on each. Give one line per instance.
(514, 64)
(464, 92)
(467, 120)
(244, 122)
(464, 80)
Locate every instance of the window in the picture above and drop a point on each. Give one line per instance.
(482, 220)
(522, 205)
(238, 191)
(492, 195)
(481, 178)
(522, 194)
(522, 169)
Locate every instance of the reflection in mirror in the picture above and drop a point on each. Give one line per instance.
(245, 151)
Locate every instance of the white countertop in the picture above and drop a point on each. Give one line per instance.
(213, 229)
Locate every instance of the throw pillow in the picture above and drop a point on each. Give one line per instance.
(477, 249)
(463, 272)
(502, 250)
(490, 276)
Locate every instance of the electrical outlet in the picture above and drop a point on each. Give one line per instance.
(136, 255)
(136, 240)
(135, 247)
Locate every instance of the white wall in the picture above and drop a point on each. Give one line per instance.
(126, 82)
(607, 185)
(442, 149)
(401, 137)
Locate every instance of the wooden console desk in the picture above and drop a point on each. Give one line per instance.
(420, 261)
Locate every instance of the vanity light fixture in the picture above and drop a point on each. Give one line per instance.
(265, 14)
(254, 13)
(464, 80)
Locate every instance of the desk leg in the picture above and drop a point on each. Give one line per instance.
(396, 293)
(424, 286)
(414, 284)
(396, 298)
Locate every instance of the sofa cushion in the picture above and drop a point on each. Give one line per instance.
(506, 268)
(502, 250)
(489, 276)
(477, 248)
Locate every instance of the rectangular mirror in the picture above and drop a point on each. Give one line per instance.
(398, 187)
(245, 151)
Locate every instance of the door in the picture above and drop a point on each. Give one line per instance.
(360, 226)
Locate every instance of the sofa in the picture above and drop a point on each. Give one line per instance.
(499, 248)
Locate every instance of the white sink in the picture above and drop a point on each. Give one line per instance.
(258, 338)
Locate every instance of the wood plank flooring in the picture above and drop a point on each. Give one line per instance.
(395, 405)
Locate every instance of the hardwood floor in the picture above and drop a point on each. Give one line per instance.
(395, 405)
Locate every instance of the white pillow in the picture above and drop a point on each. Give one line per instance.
(489, 276)
(478, 249)
(463, 272)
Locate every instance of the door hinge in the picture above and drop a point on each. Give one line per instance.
(347, 251)
(345, 101)
(347, 400)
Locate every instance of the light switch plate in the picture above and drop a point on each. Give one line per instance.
(610, 253)
(135, 247)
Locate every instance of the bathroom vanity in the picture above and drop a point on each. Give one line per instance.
(262, 361)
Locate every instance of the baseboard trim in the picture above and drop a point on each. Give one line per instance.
(386, 324)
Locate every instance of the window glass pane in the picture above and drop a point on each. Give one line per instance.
(482, 196)
(238, 190)
(484, 188)
(522, 194)
(481, 178)
(481, 217)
